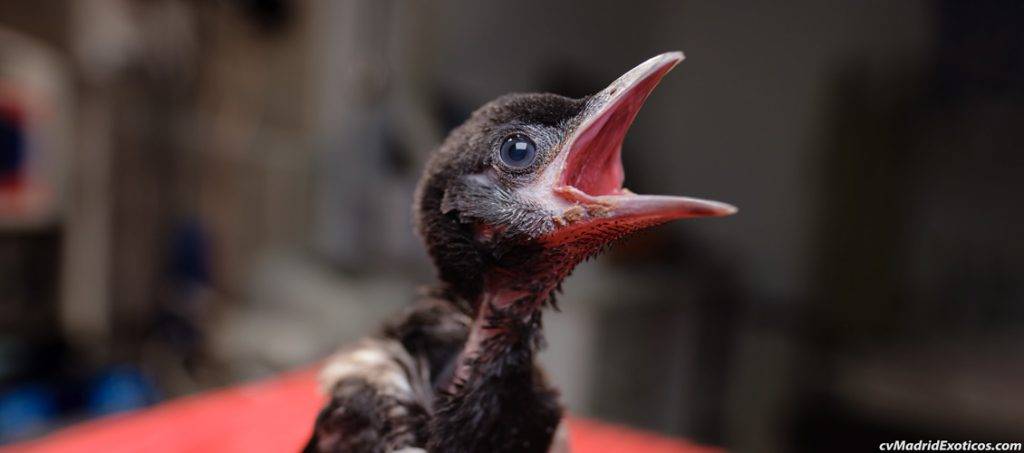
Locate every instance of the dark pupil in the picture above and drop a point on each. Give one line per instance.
(519, 150)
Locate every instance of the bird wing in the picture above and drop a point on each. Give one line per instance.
(378, 400)
(381, 388)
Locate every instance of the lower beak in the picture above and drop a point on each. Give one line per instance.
(590, 173)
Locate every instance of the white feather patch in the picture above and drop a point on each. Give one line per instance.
(381, 363)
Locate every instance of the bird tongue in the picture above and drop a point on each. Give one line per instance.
(591, 172)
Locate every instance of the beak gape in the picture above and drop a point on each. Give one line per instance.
(587, 174)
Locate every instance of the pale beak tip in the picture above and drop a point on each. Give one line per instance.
(713, 209)
(667, 59)
(728, 210)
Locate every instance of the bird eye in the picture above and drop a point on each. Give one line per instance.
(518, 151)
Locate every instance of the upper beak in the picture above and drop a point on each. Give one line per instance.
(588, 172)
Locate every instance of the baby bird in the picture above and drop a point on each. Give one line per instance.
(529, 186)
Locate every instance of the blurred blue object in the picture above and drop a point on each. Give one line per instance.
(26, 411)
(120, 388)
(12, 144)
(190, 253)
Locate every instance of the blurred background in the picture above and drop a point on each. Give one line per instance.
(200, 193)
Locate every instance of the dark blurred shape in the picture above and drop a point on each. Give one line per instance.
(12, 146)
(979, 51)
(190, 254)
(179, 322)
(919, 289)
(271, 16)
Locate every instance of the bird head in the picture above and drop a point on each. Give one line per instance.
(531, 184)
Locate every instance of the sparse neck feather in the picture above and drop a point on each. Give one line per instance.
(508, 317)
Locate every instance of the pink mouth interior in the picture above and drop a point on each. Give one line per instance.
(594, 164)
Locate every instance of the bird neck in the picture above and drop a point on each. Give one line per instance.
(498, 400)
(508, 309)
(506, 330)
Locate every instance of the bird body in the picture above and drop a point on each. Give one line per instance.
(529, 186)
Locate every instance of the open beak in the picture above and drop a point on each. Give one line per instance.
(588, 175)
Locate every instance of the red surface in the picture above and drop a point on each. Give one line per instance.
(273, 416)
